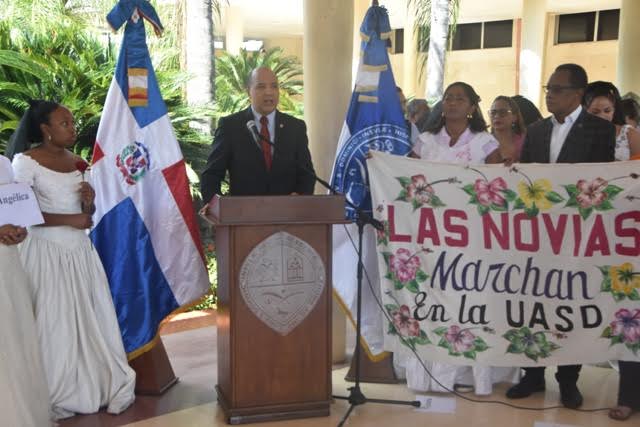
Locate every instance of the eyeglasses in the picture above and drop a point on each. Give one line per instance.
(499, 112)
(557, 89)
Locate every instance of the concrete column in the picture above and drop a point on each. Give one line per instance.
(628, 48)
(198, 57)
(410, 56)
(534, 30)
(234, 29)
(327, 54)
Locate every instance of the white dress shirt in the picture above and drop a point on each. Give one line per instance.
(560, 132)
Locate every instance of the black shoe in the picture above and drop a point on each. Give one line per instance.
(570, 396)
(525, 388)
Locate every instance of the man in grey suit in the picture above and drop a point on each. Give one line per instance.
(570, 135)
(258, 167)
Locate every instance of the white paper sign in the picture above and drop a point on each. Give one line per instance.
(444, 405)
(19, 206)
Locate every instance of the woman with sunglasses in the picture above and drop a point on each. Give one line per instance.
(507, 126)
(602, 99)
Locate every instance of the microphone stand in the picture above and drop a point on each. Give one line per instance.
(356, 396)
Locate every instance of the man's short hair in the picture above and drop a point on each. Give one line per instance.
(577, 75)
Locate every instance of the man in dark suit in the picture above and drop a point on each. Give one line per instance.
(570, 135)
(282, 167)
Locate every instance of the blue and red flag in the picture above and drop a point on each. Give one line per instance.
(146, 233)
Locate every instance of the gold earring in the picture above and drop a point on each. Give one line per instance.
(49, 138)
(469, 116)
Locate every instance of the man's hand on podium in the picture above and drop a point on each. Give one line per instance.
(204, 210)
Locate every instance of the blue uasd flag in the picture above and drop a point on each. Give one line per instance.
(374, 121)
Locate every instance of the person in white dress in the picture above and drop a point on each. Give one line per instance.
(602, 99)
(85, 362)
(459, 136)
(24, 401)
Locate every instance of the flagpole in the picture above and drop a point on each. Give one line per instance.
(378, 109)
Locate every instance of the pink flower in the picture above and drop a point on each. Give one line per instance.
(591, 194)
(419, 189)
(627, 324)
(406, 325)
(460, 339)
(490, 192)
(403, 265)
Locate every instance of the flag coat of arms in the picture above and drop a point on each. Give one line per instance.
(374, 122)
(146, 231)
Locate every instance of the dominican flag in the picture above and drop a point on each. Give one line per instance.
(146, 233)
(374, 122)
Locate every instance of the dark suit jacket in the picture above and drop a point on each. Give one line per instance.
(590, 140)
(235, 151)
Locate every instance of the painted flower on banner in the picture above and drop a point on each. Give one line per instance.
(535, 196)
(621, 281)
(625, 329)
(533, 345)
(403, 268)
(418, 191)
(587, 196)
(405, 326)
(382, 236)
(489, 195)
(461, 341)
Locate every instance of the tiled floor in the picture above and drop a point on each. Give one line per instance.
(192, 403)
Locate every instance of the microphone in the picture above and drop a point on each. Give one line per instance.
(253, 130)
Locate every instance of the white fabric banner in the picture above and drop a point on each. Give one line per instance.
(531, 265)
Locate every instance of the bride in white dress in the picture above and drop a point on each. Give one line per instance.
(85, 362)
(24, 401)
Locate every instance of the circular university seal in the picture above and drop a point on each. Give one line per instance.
(350, 176)
(281, 281)
(134, 162)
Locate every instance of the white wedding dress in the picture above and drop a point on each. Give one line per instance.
(84, 358)
(24, 400)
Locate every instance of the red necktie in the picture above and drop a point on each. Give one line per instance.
(266, 147)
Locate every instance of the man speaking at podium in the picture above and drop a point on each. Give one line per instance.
(265, 151)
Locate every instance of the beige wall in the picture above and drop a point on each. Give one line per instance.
(598, 58)
(491, 72)
(290, 45)
(397, 66)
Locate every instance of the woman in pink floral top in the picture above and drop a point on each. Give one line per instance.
(460, 136)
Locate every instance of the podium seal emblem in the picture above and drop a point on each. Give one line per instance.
(281, 281)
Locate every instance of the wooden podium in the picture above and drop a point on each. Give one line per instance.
(274, 305)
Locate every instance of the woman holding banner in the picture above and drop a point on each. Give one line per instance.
(602, 99)
(85, 363)
(459, 136)
(23, 391)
